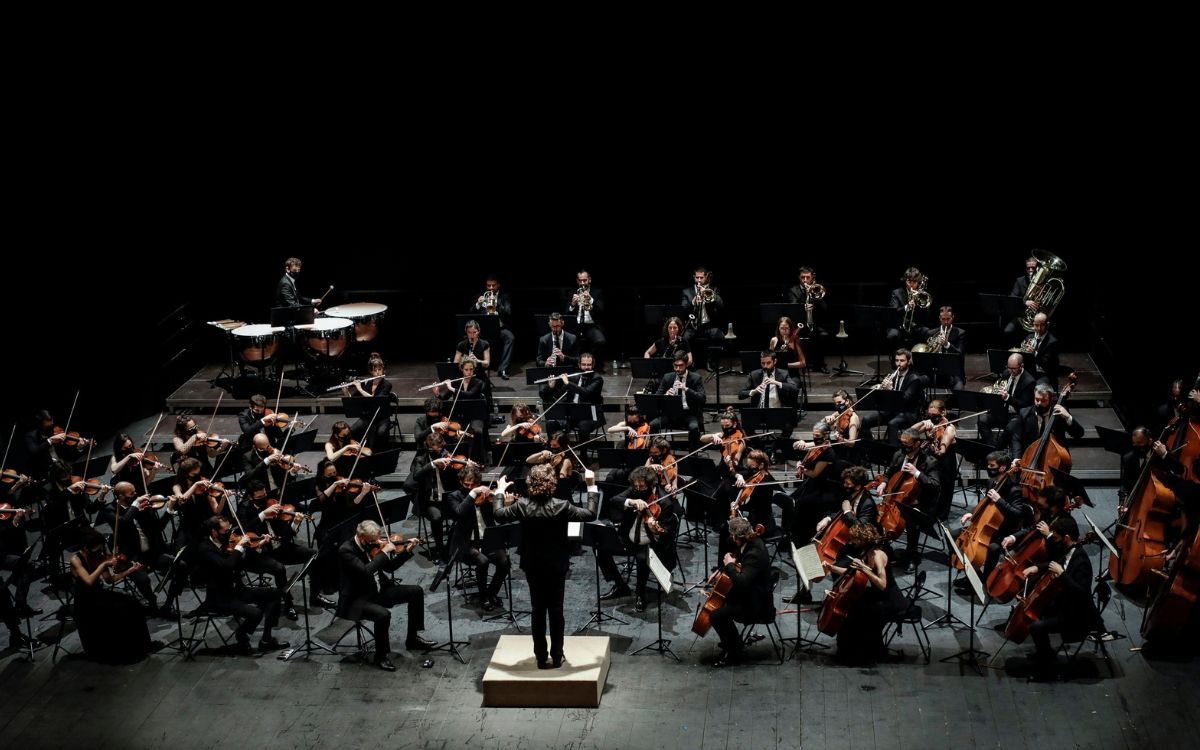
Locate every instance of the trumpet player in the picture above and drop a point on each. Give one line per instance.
(1017, 391)
(812, 295)
(558, 348)
(906, 302)
(705, 310)
(911, 385)
(583, 304)
(689, 387)
(1042, 347)
(946, 338)
(495, 302)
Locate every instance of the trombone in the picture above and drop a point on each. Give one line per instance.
(916, 298)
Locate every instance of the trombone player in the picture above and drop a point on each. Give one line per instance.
(909, 301)
(811, 295)
(582, 305)
(704, 309)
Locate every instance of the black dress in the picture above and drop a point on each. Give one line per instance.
(860, 640)
(112, 625)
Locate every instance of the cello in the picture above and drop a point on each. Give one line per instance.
(837, 534)
(986, 519)
(1046, 452)
(721, 584)
(840, 599)
(901, 489)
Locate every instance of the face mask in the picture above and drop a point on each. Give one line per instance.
(993, 472)
(224, 536)
(1042, 409)
(842, 407)
(935, 419)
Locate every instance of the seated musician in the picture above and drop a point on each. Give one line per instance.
(65, 511)
(432, 474)
(254, 419)
(947, 338)
(140, 539)
(127, 465)
(1027, 427)
(558, 348)
(478, 351)
(756, 502)
(381, 387)
(13, 543)
(671, 343)
(1017, 392)
(228, 595)
(689, 387)
(1020, 285)
(732, 442)
(268, 465)
(340, 512)
(584, 302)
(259, 514)
(640, 532)
(1072, 611)
(915, 460)
(471, 507)
(42, 446)
(1174, 405)
(468, 388)
(660, 459)
(860, 638)
(192, 501)
(749, 599)
(367, 595)
(341, 448)
(940, 440)
(587, 388)
(858, 506)
(845, 425)
(111, 624)
(1133, 462)
(815, 497)
(1009, 500)
(911, 385)
(495, 302)
(431, 420)
(902, 301)
(1043, 347)
(635, 428)
(800, 294)
(772, 388)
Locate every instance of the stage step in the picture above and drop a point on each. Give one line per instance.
(513, 678)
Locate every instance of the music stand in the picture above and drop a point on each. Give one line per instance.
(309, 646)
(662, 577)
(447, 371)
(1115, 441)
(601, 537)
(770, 312)
(976, 453)
(933, 364)
(649, 368)
(451, 645)
(876, 318)
(1073, 486)
(700, 507)
(288, 318)
(504, 537)
(1002, 306)
(998, 364)
(514, 453)
(655, 314)
(970, 655)
(187, 645)
(770, 421)
(880, 400)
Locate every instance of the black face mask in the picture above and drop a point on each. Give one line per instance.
(993, 472)
(1042, 410)
(224, 536)
(1142, 449)
(935, 419)
(842, 407)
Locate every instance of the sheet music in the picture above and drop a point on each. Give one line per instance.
(1103, 538)
(972, 576)
(661, 574)
(574, 529)
(808, 564)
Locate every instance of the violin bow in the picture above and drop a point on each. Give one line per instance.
(141, 468)
(71, 415)
(358, 455)
(11, 433)
(214, 416)
(279, 392)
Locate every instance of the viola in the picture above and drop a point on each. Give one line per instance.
(986, 519)
(814, 453)
(840, 599)
(841, 424)
(216, 441)
(730, 446)
(72, 438)
(667, 471)
(1045, 453)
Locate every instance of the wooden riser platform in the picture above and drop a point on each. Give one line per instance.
(513, 679)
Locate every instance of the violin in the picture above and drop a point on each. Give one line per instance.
(91, 487)
(8, 511)
(355, 486)
(457, 459)
(213, 489)
(532, 432)
(216, 441)
(288, 513)
(746, 493)
(452, 431)
(841, 425)
(283, 419)
(288, 463)
(254, 540)
(730, 446)
(354, 448)
(396, 540)
(667, 471)
(12, 477)
(72, 438)
(157, 502)
(637, 441)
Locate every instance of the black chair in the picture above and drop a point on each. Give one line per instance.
(1098, 636)
(913, 616)
(209, 618)
(363, 640)
(769, 624)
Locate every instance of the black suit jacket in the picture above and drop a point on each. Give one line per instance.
(361, 576)
(286, 294)
(1045, 358)
(589, 388)
(597, 303)
(912, 391)
(1027, 430)
(956, 338)
(695, 393)
(789, 392)
(544, 543)
(1022, 395)
(1019, 286)
(1074, 606)
(570, 349)
(503, 309)
(664, 544)
(798, 296)
(128, 541)
(752, 586)
(899, 301)
(715, 309)
(929, 484)
(867, 511)
(222, 570)
(466, 527)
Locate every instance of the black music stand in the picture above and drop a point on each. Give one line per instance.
(504, 537)
(651, 369)
(879, 400)
(750, 361)
(309, 646)
(1073, 486)
(970, 655)
(770, 312)
(187, 646)
(998, 364)
(1001, 306)
(876, 319)
(976, 453)
(661, 645)
(933, 364)
(288, 318)
(447, 371)
(622, 458)
(763, 421)
(1115, 441)
(451, 645)
(601, 537)
(514, 453)
(655, 314)
(538, 373)
(700, 509)
(879, 454)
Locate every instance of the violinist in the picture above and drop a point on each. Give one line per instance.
(912, 459)
(671, 344)
(13, 543)
(222, 558)
(522, 427)
(940, 439)
(192, 500)
(911, 385)
(111, 624)
(635, 428)
(257, 418)
(380, 387)
(814, 302)
(558, 348)
(786, 343)
(544, 550)
(470, 387)
(689, 387)
(558, 455)
(732, 442)
(471, 505)
(261, 515)
(705, 311)
(1029, 424)
(660, 459)
(747, 564)
(140, 540)
(341, 448)
(367, 595)
(478, 351)
(816, 495)
(641, 527)
(495, 302)
(1071, 611)
(430, 421)
(755, 502)
(860, 638)
(44, 443)
(772, 388)
(11, 616)
(66, 508)
(432, 474)
(267, 464)
(340, 512)
(129, 464)
(844, 422)
(584, 301)
(587, 388)
(1014, 508)
(191, 443)
(1017, 392)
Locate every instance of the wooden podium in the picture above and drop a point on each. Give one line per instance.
(513, 678)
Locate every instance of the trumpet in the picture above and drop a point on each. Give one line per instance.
(488, 301)
(707, 294)
(916, 298)
(583, 298)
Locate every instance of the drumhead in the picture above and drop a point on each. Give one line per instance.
(357, 309)
(254, 330)
(331, 324)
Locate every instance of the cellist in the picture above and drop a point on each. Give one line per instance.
(1005, 493)
(913, 460)
(749, 599)
(860, 638)
(1027, 426)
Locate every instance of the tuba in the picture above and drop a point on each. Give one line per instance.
(1045, 288)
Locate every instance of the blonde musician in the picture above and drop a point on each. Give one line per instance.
(671, 343)
(558, 348)
(705, 311)
(495, 302)
(940, 441)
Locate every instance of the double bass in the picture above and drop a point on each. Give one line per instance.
(1046, 452)
(986, 519)
(1175, 602)
(1143, 529)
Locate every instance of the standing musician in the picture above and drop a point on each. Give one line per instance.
(1020, 286)
(381, 387)
(732, 442)
(583, 303)
(672, 342)
(367, 595)
(860, 638)
(544, 551)
(127, 464)
(908, 382)
(1011, 503)
(912, 459)
(812, 295)
(558, 348)
(946, 338)
(705, 310)
(255, 419)
(690, 388)
(904, 301)
(469, 388)
(222, 559)
(495, 302)
(433, 473)
(1026, 427)
(189, 442)
(471, 507)
(1017, 392)
(260, 515)
(588, 388)
(286, 294)
(772, 388)
(940, 439)
(479, 351)
(749, 599)
(1042, 346)
(140, 540)
(642, 528)
(786, 343)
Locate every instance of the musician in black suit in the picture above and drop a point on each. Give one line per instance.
(1005, 493)
(772, 388)
(558, 348)
(584, 310)
(690, 388)
(1027, 426)
(814, 348)
(1072, 611)
(468, 388)
(286, 294)
(902, 301)
(495, 302)
(255, 419)
(140, 539)
(259, 514)
(1043, 345)
(472, 510)
(366, 595)
(544, 550)
(948, 339)
(704, 317)
(1134, 461)
(1017, 393)
(911, 385)
(749, 597)
(587, 388)
(626, 510)
(431, 475)
(42, 446)
(915, 460)
(1020, 286)
(227, 595)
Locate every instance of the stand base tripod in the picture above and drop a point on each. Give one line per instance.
(597, 615)
(451, 645)
(509, 613)
(661, 645)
